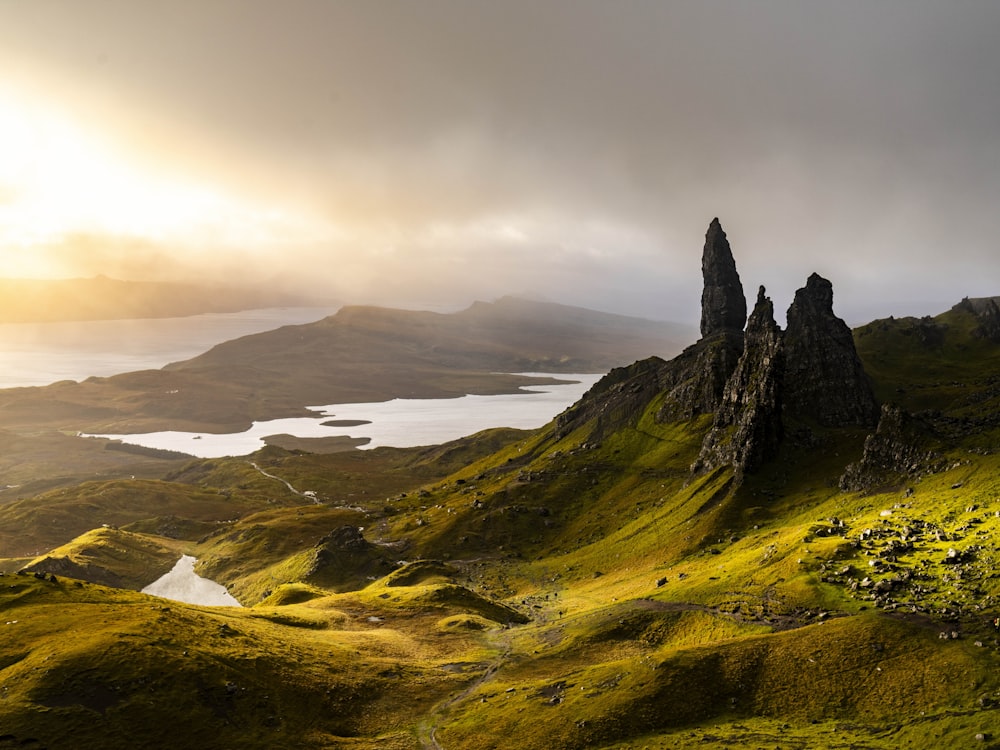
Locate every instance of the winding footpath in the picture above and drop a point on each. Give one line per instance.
(307, 495)
(427, 734)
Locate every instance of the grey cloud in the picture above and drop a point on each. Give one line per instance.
(856, 139)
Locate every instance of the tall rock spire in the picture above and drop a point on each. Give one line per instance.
(723, 305)
(748, 429)
(824, 378)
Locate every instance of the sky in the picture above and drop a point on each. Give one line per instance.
(429, 153)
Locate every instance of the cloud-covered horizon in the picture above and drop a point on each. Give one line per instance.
(441, 151)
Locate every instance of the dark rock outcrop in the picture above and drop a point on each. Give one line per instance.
(695, 380)
(898, 450)
(987, 313)
(753, 382)
(615, 400)
(825, 381)
(343, 558)
(723, 305)
(747, 430)
(693, 383)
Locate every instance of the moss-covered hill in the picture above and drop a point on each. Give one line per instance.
(588, 593)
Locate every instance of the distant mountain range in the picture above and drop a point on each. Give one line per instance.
(103, 298)
(359, 354)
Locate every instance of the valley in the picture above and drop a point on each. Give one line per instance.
(771, 538)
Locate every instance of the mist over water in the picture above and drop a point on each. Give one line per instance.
(41, 353)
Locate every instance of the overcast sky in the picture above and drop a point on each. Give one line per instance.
(432, 152)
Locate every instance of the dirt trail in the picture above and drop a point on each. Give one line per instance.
(427, 732)
(307, 495)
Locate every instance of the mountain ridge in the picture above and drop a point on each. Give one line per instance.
(360, 354)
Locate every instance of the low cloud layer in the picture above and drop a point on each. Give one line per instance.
(436, 152)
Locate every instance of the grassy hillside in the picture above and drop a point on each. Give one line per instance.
(559, 589)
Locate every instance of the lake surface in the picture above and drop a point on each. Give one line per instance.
(43, 353)
(400, 423)
(182, 584)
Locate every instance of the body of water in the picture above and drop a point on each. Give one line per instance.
(400, 423)
(43, 353)
(182, 584)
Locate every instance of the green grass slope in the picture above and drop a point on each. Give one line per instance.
(112, 557)
(31, 526)
(549, 589)
(84, 666)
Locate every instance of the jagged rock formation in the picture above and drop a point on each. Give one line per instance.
(825, 381)
(694, 380)
(614, 400)
(898, 450)
(987, 312)
(748, 429)
(752, 382)
(693, 383)
(723, 305)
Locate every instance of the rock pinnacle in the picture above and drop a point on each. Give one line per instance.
(723, 306)
(825, 380)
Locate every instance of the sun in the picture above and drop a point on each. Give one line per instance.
(56, 179)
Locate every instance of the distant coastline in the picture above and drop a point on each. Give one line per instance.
(37, 354)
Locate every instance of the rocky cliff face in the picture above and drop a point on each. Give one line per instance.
(987, 313)
(723, 305)
(615, 400)
(748, 429)
(899, 450)
(695, 380)
(825, 381)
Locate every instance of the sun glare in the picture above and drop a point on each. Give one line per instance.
(57, 181)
